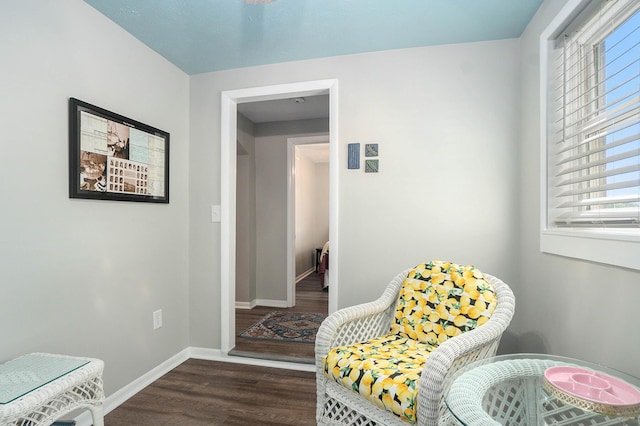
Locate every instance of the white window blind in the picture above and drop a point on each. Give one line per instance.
(594, 120)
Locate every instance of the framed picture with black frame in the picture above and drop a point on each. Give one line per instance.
(112, 157)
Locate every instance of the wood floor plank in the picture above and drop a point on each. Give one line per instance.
(200, 392)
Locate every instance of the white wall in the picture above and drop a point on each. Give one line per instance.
(271, 218)
(84, 276)
(245, 213)
(304, 212)
(446, 119)
(566, 306)
(311, 209)
(321, 191)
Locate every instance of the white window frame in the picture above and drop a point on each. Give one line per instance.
(617, 247)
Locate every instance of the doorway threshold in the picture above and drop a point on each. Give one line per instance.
(271, 357)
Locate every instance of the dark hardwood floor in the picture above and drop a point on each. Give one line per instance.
(309, 298)
(200, 392)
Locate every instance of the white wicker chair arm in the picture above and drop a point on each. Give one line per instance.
(454, 354)
(360, 322)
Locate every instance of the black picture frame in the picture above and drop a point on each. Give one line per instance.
(112, 157)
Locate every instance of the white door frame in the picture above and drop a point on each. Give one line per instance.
(291, 209)
(228, 152)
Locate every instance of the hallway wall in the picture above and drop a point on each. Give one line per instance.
(311, 211)
(246, 213)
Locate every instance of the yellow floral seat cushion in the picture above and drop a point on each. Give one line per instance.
(385, 371)
(438, 300)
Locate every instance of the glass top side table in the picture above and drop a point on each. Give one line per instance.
(510, 389)
(38, 388)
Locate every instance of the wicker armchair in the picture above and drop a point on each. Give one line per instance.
(338, 405)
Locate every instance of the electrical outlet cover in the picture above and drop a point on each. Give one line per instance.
(157, 319)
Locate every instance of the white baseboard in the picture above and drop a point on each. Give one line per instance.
(218, 355)
(262, 302)
(120, 396)
(246, 305)
(305, 274)
(114, 400)
(271, 303)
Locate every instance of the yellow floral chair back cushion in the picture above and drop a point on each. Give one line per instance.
(438, 300)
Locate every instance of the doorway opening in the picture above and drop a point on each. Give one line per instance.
(229, 150)
(282, 221)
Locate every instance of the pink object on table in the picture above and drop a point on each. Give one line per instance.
(592, 386)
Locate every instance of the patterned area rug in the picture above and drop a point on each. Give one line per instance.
(286, 326)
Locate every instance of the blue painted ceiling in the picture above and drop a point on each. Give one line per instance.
(211, 35)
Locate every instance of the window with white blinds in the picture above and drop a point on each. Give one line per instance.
(593, 137)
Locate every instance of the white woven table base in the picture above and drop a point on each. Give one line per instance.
(510, 393)
(81, 388)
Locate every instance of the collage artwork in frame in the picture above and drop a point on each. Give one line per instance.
(112, 157)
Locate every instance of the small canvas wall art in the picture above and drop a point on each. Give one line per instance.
(353, 157)
(371, 150)
(371, 166)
